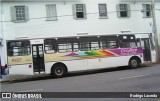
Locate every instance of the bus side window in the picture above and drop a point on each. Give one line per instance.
(127, 41)
(74, 44)
(138, 43)
(84, 44)
(67, 45)
(50, 45)
(94, 41)
(109, 42)
(18, 48)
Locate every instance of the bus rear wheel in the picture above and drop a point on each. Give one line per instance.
(58, 71)
(134, 63)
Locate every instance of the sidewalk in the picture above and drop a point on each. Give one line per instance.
(11, 78)
(6, 78)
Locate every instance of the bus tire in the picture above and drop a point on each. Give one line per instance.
(134, 63)
(58, 70)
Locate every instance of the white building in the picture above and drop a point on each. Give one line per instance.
(52, 18)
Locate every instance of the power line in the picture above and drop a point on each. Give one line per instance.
(60, 21)
(67, 15)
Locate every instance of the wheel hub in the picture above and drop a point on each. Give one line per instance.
(59, 71)
(134, 63)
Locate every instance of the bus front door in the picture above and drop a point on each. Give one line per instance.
(145, 45)
(38, 58)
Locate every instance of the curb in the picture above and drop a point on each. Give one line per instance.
(24, 78)
(148, 64)
(10, 79)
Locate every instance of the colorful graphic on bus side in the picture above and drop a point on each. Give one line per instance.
(104, 53)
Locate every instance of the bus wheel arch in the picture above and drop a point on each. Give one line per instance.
(59, 70)
(134, 62)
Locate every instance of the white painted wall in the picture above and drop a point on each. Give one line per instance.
(66, 25)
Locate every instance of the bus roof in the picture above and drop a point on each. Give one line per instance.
(138, 35)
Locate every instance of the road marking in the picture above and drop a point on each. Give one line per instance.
(31, 90)
(134, 76)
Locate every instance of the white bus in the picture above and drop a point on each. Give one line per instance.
(61, 55)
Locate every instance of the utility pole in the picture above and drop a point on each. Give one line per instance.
(155, 31)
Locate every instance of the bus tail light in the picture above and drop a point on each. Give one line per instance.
(4, 70)
(141, 56)
(30, 66)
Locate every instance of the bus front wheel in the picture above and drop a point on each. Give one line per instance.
(58, 71)
(134, 63)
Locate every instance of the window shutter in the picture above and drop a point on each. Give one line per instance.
(106, 11)
(27, 13)
(151, 10)
(47, 12)
(84, 11)
(144, 10)
(51, 12)
(54, 12)
(129, 10)
(118, 10)
(74, 11)
(12, 11)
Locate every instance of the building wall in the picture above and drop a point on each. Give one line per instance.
(66, 25)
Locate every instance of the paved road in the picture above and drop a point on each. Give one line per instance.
(146, 79)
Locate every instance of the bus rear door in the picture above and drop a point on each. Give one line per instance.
(146, 49)
(38, 57)
(145, 42)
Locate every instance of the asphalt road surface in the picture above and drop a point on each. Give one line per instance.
(144, 79)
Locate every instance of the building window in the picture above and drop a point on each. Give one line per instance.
(146, 10)
(102, 11)
(123, 10)
(79, 11)
(51, 12)
(19, 13)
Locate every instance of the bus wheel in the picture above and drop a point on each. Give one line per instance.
(134, 63)
(58, 70)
